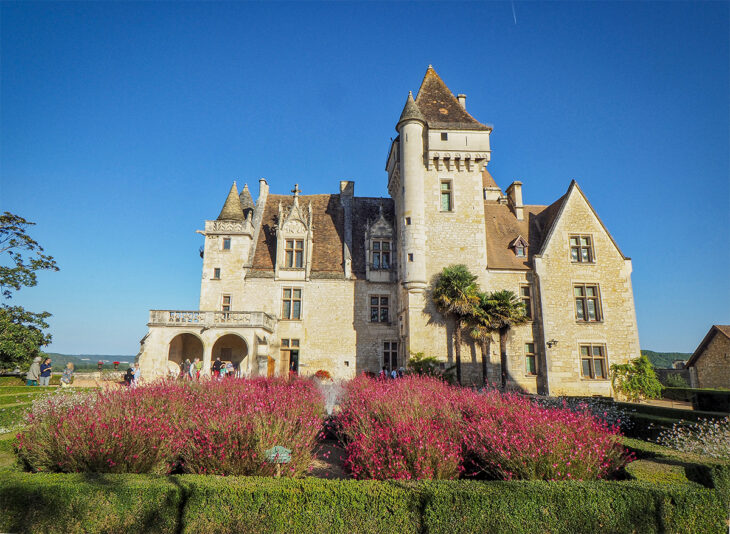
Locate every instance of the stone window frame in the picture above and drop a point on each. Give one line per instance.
(527, 300)
(294, 253)
(380, 252)
(530, 354)
(226, 244)
(226, 303)
(287, 345)
(380, 308)
(590, 345)
(391, 351)
(216, 273)
(449, 191)
(591, 249)
(291, 301)
(585, 298)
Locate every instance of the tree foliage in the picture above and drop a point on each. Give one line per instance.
(456, 295)
(21, 331)
(482, 327)
(636, 379)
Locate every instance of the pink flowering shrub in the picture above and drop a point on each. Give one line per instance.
(419, 427)
(400, 429)
(507, 436)
(207, 427)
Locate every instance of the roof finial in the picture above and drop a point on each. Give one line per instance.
(296, 190)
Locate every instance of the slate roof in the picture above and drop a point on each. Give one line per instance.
(246, 200)
(441, 108)
(232, 207)
(722, 329)
(487, 180)
(410, 111)
(366, 210)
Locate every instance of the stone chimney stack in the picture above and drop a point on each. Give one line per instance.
(462, 100)
(514, 197)
(347, 193)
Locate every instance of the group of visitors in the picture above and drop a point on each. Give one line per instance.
(395, 373)
(40, 371)
(219, 370)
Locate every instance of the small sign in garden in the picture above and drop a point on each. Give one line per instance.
(278, 455)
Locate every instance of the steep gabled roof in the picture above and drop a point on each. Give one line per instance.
(556, 211)
(232, 207)
(503, 229)
(721, 329)
(440, 107)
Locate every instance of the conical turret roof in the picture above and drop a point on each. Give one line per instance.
(441, 108)
(246, 199)
(232, 208)
(410, 111)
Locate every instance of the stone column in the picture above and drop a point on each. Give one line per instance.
(207, 357)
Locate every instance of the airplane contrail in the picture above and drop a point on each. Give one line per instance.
(514, 15)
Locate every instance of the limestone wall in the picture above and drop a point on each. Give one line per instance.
(557, 274)
(713, 366)
(230, 263)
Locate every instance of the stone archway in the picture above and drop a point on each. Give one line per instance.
(183, 347)
(231, 348)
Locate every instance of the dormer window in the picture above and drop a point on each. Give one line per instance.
(519, 247)
(294, 253)
(381, 255)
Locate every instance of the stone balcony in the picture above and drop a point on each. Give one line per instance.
(212, 319)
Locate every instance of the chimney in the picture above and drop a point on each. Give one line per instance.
(462, 100)
(347, 193)
(514, 198)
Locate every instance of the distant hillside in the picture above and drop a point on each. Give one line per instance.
(87, 361)
(663, 360)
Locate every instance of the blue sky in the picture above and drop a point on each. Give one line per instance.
(124, 124)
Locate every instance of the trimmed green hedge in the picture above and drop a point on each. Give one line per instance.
(713, 400)
(200, 504)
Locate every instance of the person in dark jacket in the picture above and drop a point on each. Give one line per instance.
(46, 372)
(217, 367)
(129, 376)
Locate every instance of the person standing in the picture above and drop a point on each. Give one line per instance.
(186, 369)
(67, 375)
(46, 372)
(198, 368)
(129, 377)
(34, 373)
(217, 367)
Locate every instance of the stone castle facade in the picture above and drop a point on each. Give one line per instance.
(341, 283)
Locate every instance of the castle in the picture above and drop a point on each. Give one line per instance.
(341, 283)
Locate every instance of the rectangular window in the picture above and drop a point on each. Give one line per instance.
(530, 362)
(587, 303)
(217, 273)
(294, 253)
(226, 305)
(226, 243)
(444, 136)
(446, 204)
(381, 255)
(408, 221)
(291, 306)
(410, 257)
(581, 249)
(390, 355)
(526, 300)
(593, 362)
(379, 310)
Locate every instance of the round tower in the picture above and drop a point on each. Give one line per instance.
(412, 223)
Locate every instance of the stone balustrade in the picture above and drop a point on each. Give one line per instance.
(212, 319)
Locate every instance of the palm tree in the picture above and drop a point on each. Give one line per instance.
(455, 293)
(482, 328)
(507, 311)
